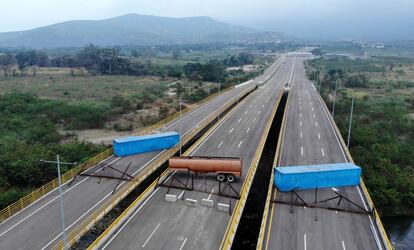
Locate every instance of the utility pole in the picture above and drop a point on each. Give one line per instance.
(180, 125)
(350, 121)
(62, 212)
(219, 86)
(333, 107)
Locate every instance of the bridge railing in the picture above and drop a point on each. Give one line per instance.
(94, 217)
(238, 210)
(277, 157)
(40, 192)
(384, 237)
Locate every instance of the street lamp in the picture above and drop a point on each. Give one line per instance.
(350, 121)
(333, 108)
(58, 162)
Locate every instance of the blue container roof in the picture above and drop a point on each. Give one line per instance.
(316, 168)
(144, 137)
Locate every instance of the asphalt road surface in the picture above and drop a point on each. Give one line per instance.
(39, 227)
(158, 224)
(310, 139)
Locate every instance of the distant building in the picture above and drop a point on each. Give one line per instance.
(335, 56)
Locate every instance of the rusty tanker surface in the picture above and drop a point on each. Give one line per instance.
(225, 168)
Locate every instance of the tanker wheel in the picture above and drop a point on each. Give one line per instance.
(221, 177)
(231, 178)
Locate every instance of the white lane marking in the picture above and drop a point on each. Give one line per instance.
(182, 245)
(336, 211)
(312, 108)
(323, 152)
(259, 112)
(314, 116)
(304, 241)
(319, 136)
(219, 126)
(300, 107)
(311, 103)
(248, 129)
(240, 144)
(179, 197)
(76, 221)
(145, 243)
(300, 114)
(130, 218)
(254, 119)
(231, 130)
(316, 124)
(374, 232)
(220, 144)
(263, 106)
(300, 123)
(343, 245)
(300, 134)
(209, 196)
(246, 112)
(301, 150)
(50, 192)
(240, 120)
(40, 208)
(110, 193)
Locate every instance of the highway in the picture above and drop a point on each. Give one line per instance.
(158, 224)
(38, 226)
(310, 138)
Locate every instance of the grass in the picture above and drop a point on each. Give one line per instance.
(58, 84)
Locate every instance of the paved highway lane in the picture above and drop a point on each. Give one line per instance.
(157, 224)
(38, 226)
(310, 139)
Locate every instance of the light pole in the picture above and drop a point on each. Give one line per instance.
(333, 107)
(180, 124)
(350, 121)
(219, 83)
(62, 214)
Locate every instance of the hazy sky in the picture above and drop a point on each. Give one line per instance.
(301, 18)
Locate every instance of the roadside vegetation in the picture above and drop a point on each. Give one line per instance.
(382, 138)
(49, 99)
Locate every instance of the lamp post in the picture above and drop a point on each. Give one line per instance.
(62, 213)
(333, 107)
(180, 124)
(350, 121)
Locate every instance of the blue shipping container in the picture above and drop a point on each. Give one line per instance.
(316, 176)
(147, 143)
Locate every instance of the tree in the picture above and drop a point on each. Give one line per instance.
(26, 59)
(6, 62)
(89, 57)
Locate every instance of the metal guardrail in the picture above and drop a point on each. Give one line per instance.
(114, 225)
(238, 210)
(94, 217)
(262, 231)
(377, 219)
(40, 192)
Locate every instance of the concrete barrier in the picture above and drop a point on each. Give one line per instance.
(223, 207)
(170, 197)
(207, 203)
(191, 202)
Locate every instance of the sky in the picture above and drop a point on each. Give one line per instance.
(313, 19)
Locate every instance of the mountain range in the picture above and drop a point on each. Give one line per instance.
(134, 29)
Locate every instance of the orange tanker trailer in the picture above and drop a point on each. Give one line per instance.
(224, 167)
